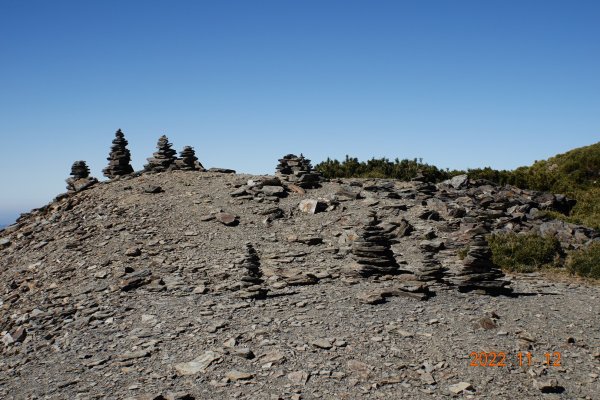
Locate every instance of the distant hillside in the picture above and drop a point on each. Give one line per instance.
(575, 173)
(569, 172)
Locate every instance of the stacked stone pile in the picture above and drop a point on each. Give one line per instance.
(80, 177)
(430, 268)
(163, 159)
(119, 159)
(425, 189)
(263, 188)
(510, 209)
(251, 281)
(80, 170)
(372, 250)
(505, 200)
(297, 170)
(188, 161)
(478, 271)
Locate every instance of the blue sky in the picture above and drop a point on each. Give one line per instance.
(458, 83)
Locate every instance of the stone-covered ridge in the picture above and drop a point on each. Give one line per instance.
(125, 292)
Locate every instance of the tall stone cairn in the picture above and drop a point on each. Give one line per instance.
(163, 159)
(119, 159)
(80, 177)
(188, 161)
(251, 281)
(478, 271)
(297, 170)
(372, 250)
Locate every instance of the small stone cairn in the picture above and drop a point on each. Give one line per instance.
(297, 170)
(80, 177)
(478, 271)
(430, 269)
(80, 170)
(163, 159)
(251, 281)
(188, 161)
(119, 159)
(372, 250)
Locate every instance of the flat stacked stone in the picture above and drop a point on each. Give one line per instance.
(119, 159)
(297, 170)
(251, 281)
(430, 268)
(80, 170)
(372, 251)
(478, 271)
(188, 161)
(163, 159)
(80, 177)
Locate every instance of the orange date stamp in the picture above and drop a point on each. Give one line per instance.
(521, 359)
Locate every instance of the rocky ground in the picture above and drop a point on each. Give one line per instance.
(131, 289)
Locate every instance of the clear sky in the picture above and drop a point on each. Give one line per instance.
(457, 83)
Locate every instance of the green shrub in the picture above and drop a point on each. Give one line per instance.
(403, 170)
(587, 210)
(586, 261)
(524, 253)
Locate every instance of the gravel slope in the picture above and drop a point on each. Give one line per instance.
(114, 291)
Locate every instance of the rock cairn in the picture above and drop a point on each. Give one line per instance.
(163, 159)
(263, 188)
(430, 268)
(188, 161)
(478, 271)
(297, 170)
(372, 250)
(80, 170)
(80, 177)
(251, 282)
(119, 159)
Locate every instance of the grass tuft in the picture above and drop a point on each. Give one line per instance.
(585, 261)
(524, 252)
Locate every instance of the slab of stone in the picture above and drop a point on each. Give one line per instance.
(239, 376)
(273, 191)
(308, 206)
(324, 344)
(227, 219)
(458, 388)
(298, 377)
(222, 170)
(197, 365)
